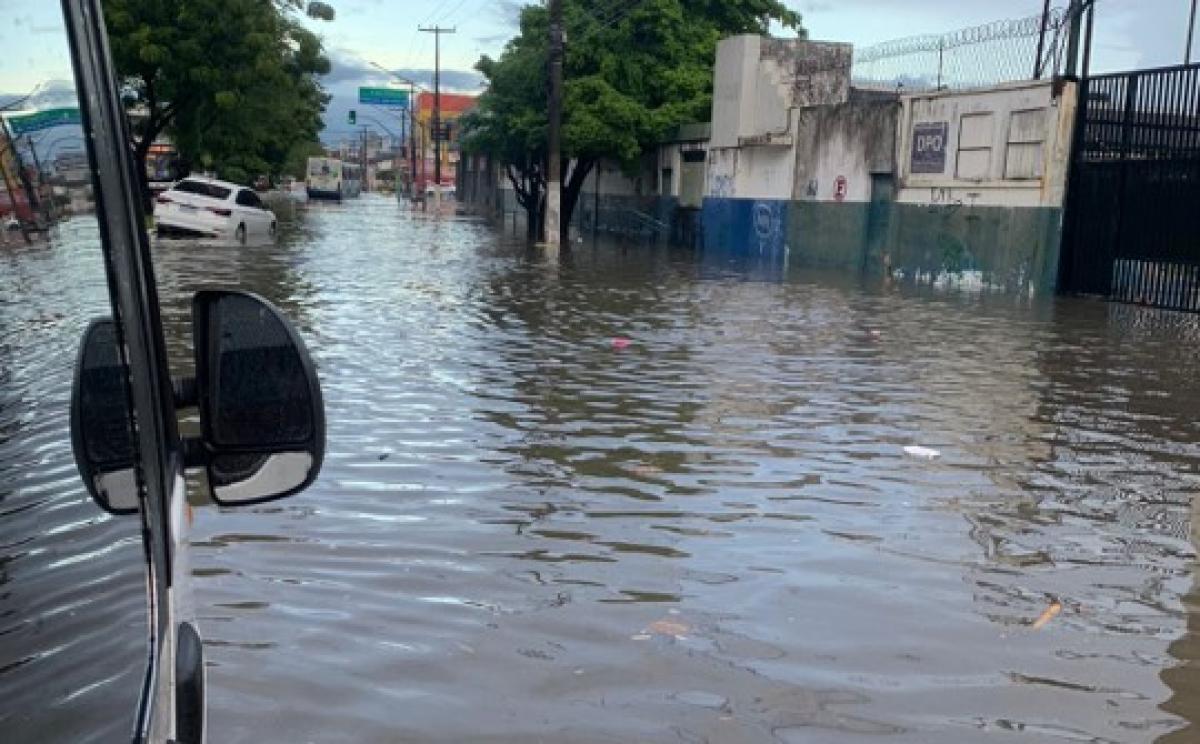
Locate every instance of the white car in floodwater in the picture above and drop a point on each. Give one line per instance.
(206, 207)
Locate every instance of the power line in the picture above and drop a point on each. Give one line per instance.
(449, 15)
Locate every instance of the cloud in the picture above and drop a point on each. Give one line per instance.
(350, 72)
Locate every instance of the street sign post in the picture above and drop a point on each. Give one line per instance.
(383, 97)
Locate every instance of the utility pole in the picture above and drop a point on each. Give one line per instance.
(412, 142)
(437, 32)
(554, 140)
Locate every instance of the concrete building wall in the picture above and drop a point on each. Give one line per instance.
(1007, 146)
(981, 180)
(840, 147)
(845, 164)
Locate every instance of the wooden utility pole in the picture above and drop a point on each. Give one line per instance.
(437, 32)
(554, 140)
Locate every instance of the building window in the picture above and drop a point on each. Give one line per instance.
(975, 147)
(667, 182)
(1026, 153)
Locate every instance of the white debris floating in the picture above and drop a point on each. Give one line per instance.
(922, 453)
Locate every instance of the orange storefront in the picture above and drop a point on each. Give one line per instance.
(453, 106)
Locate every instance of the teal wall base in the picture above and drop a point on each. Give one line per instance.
(1012, 250)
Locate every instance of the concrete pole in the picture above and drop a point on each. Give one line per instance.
(437, 32)
(554, 143)
(412, 139)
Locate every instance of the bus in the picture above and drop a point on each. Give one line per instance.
(330, 178)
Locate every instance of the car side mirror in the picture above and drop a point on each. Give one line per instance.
(262, 415)
(102, 434)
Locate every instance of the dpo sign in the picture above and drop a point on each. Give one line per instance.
(929, 147)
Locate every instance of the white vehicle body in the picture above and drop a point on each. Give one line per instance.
(215, 209)
(324, 179)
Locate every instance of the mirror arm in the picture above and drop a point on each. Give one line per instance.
(187, 393)
(194, 453)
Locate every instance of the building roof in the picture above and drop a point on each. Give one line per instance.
(452, 103)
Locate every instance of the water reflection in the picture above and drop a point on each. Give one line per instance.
(713, 531)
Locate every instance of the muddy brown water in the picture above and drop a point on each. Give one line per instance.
(715, 534)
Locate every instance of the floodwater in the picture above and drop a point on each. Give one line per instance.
(804, 509)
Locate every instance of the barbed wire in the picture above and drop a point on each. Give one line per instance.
(978, 56)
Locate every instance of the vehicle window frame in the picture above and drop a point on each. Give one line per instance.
(201, 188)
(252, 200)
(133, 296)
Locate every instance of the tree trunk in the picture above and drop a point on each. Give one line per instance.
(533, 219)
(572, 188)
(141, 149)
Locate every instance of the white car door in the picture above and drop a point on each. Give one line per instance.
(249, 214)
(263, 214)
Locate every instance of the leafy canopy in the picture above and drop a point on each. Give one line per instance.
(635, 70)
(232, 81)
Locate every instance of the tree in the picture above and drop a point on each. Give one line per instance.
(234, 82)
(634, 72)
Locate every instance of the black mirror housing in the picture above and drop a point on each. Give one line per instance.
(102, 433)
(262, 414)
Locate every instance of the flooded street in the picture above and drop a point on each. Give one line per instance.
(810, 509)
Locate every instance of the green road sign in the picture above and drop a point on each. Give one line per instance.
(383, 97)
(36, 121)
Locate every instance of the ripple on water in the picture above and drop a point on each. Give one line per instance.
(509, 501)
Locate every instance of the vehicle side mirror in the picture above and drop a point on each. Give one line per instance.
(261, 411)
(102, 435)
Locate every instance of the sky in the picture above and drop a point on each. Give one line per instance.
(1129, 34)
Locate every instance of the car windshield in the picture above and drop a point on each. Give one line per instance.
(756, 371)
(201, 188)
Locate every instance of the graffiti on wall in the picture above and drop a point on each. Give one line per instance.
(768, 227)
(722, 186)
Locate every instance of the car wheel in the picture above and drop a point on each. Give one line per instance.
(240, 235)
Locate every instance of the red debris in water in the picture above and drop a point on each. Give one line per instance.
(620, 343)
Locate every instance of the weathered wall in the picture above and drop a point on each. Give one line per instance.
(755, 227)
(761, 87)
(1014, 249)
(981, 181)
(838, 148)
(1007, 146)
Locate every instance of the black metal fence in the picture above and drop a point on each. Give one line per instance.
(976, 57)
(1132, 228)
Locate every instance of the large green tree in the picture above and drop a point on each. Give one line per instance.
(233, 82)
(634, 71)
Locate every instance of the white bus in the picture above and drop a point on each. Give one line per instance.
(330, 178)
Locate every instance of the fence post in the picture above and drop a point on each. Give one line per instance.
(1041, 47)
(1075, 18)
(941, 60)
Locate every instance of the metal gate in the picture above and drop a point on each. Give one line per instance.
(1132, 226)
